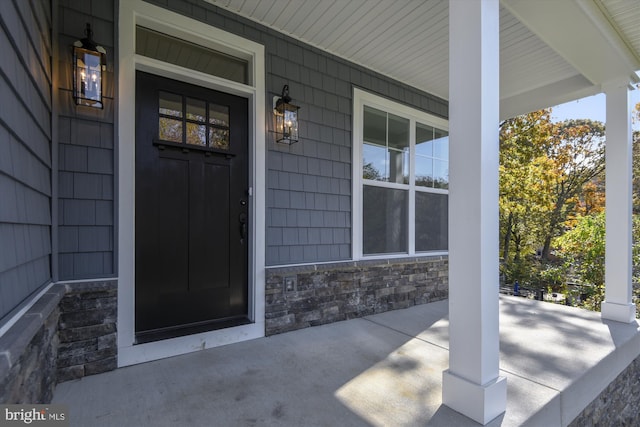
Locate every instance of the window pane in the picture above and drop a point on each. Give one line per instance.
(439, 133)
(170, 104)
(441, 147)
(219, 115)
(398, 161)
(384, 227)
(398, 132)
(440, 174)
(424, 171)
(431, 221)
(424, 138)
(196, 134)
(218, 138)
(375, 126)
(196, 110)
(374, 162)
(170, 129)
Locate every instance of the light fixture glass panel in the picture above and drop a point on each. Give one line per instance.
(89, 83)
(291, 123)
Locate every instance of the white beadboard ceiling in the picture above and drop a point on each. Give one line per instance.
(551, 51)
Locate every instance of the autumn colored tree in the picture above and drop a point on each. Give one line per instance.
(550, 175)
(576, 152)
(636, 162)
(524, 187)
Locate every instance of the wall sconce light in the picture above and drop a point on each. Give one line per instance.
(89, 66)
(286, 115)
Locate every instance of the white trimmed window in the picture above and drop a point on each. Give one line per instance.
(401, 179)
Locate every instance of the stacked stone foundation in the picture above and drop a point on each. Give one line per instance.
(310, 295)
(69, 333)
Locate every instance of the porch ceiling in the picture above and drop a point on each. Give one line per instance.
(550, 51)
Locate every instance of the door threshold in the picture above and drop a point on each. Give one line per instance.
(190, 329)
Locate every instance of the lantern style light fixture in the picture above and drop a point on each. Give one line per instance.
(286, 115)
(89, 67)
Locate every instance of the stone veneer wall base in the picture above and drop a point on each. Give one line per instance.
(618, 404)
(87, 330)
(70, 332)
(28, 352)
(309, 295)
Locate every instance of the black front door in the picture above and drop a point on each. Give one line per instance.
(191, 212)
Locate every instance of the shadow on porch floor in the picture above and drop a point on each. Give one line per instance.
(382, 370)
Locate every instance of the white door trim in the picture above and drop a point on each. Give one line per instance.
(134, 13)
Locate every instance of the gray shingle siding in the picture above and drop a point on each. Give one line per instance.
(308, 196)
(309, 183)
(313, 177)
(85, 152)
(25, 150)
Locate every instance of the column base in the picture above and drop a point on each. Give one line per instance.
(625, 313)
(481, 403)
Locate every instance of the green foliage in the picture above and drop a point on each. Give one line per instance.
(524, 187)
(553, 276)
(552, 197)
(583, 247)
(520, 270)
(547, 174)
(636, 170)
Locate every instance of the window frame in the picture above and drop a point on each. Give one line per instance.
(361, 99)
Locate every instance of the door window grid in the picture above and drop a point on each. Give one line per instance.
(193, 121)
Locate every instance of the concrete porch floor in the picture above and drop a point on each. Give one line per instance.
(381, 370)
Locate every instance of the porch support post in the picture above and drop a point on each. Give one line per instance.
(472, 385)
(618, 259)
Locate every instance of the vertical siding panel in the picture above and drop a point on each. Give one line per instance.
(25, 129)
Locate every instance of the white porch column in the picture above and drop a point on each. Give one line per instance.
(472, 385)
(618, 260)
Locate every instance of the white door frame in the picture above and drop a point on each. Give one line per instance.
(136, 12)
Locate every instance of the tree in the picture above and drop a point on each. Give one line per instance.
(636, 161)
(523, 183)
(576, 152)
(636, 172)
(583, 249)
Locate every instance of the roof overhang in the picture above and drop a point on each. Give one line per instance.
(584, 34)
(551, 52)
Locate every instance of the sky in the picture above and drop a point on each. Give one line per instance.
(592, 107)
